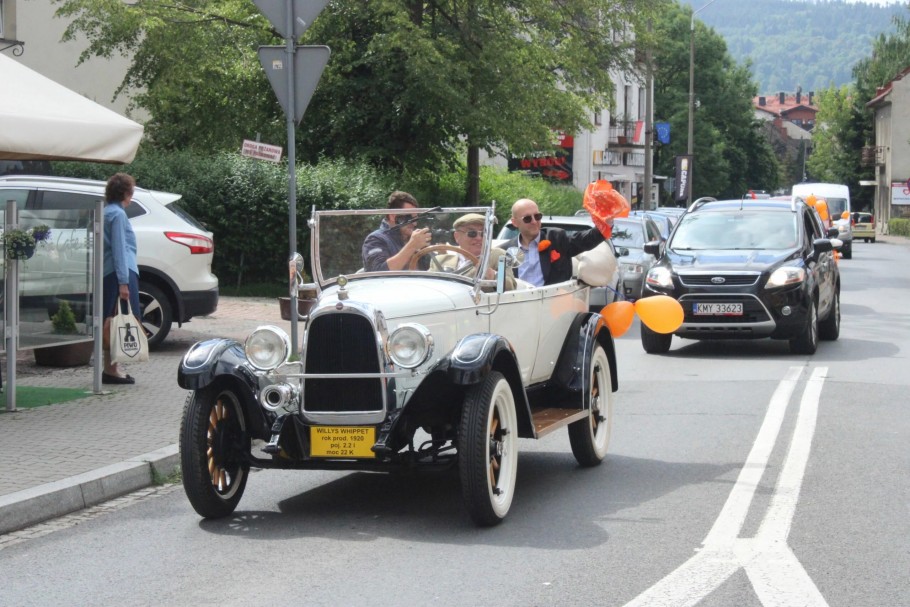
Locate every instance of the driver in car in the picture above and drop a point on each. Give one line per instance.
(468, 233)
(397, 239)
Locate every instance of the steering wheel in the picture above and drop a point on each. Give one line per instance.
(439, 248)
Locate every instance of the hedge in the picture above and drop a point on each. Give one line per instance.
(243, 202)
(899, 226)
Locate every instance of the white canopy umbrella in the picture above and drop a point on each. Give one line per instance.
(40, 119)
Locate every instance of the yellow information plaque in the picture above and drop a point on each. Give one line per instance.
(342, 441)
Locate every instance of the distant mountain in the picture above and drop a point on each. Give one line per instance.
(794, 43)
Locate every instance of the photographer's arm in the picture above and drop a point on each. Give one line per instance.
(420, 238)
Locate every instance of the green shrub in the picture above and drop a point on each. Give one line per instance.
(244, 202)
(899, 226)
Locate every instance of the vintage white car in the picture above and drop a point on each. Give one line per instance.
(401, 370)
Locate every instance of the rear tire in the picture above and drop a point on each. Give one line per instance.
(156, 314)
(213, 448)
(488, 450)
(590, 437)
(848, 251)
(655, 343)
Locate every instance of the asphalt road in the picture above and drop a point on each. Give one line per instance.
(738, 474)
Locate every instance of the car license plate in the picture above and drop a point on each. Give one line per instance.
(342, 441)
(717, 309)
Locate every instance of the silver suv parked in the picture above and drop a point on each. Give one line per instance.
(174, 250)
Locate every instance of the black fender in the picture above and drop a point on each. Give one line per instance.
(573, 368)
(469, 362)
(224, 361)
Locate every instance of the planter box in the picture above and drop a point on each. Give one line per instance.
(68, 355)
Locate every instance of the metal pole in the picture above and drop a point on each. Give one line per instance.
(292, 164)
(649, 160)
(11, 304)
(690, 147)
(98, 294)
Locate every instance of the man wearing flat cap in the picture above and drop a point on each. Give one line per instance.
(468, 232)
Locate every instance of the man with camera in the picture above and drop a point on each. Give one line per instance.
(398, 238)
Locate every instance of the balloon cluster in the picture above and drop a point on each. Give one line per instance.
(661, 314)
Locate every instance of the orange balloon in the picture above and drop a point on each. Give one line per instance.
(845, 215)
(810, 200)
(822, 207)
(661, 313)
(618, 315)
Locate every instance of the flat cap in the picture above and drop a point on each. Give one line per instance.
(469, 218)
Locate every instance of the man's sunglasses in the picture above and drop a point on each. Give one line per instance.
(535, 217)
(472, 233)
(400, 219)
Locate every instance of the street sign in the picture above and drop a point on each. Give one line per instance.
(262, 151)
(309, 61)
(305, 12)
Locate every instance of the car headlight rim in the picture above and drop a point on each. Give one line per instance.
(785, 276)
(267, 348)
(659, 277)
(410, 345)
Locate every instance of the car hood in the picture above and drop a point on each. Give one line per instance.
(716, 259)
(400, 297)
(636, 256)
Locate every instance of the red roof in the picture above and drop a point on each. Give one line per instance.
(773, 105)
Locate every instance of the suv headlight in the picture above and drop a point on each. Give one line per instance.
(660, 277)
(410, 345)
(786, 275)
(632, 268)
(267, 347)
(842, 228)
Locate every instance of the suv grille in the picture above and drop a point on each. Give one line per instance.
(729, 280)
(324, 354)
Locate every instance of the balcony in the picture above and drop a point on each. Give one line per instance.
(622, 135)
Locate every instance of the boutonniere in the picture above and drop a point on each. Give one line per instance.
(554, 255)
(543, 245)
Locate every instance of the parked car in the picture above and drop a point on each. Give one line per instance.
(630, 234)
(663, 221)
(863, 227)
(400, 370)
(749, 269)
(174, 250)
(600, 296)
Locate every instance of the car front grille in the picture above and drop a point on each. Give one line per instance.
(719, 279)
(341, 343)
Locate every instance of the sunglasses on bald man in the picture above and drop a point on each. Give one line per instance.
(535, 217)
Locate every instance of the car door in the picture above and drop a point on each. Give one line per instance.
(824, 265)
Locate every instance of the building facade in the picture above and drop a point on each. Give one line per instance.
(891, 153)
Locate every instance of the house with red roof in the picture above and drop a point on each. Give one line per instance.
(891, 153)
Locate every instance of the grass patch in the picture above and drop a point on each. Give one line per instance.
(29, 397)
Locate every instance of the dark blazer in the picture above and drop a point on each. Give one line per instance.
(567, 245)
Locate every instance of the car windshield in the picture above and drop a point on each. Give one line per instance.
(338, 239)
(736, 230)
(628, 234)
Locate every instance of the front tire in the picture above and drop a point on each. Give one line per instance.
(213, 444)
(156, 314)
(654, 342)
(848, 251)
(590, 437)
(488, 450)
(829, 329)
(807, 341)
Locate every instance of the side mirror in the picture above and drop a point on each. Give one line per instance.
(295, 272)
(832, 232)
(652, 248)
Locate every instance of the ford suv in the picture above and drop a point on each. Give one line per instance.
(174, 250)
(746, 269)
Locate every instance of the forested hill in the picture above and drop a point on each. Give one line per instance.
(798, 43)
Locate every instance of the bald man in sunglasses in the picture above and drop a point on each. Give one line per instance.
(548, 252)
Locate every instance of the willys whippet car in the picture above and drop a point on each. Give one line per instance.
(410, 369)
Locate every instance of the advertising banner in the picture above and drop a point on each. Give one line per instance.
(683, 181)
(900, 192)
(555, 167)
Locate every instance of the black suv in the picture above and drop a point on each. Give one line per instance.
(748, 269)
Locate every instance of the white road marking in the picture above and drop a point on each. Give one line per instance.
(777, 576)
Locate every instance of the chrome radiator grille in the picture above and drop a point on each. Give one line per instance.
(341, 343)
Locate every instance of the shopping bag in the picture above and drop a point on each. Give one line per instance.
(127, 340)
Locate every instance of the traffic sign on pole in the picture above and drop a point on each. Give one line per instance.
(305, 12)
(309, 62)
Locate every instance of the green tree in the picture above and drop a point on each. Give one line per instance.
(834, 157)
(731, 156)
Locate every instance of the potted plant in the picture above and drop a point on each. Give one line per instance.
(74, 354)
(20, 244)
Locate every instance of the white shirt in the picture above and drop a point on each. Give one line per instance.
(529, 270)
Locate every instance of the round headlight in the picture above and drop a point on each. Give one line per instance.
(267, 347)
(410, 345)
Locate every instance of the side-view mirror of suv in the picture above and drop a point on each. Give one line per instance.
(652, 247)
(832, 232)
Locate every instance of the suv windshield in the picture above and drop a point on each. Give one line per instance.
(339, 237)
(736, 230)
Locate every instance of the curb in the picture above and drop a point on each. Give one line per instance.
(38, 504)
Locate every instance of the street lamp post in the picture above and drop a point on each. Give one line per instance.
(690, 146)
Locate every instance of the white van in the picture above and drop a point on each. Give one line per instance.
(838, 198)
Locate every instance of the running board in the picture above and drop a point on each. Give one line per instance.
(547, 420)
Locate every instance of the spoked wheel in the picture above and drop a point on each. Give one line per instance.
(213, 444)
(590, 437)
(488, 450)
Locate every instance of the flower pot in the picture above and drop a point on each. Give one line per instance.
(22, 251)
(66, 355)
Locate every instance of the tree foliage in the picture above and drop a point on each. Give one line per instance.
(834, 156)
(731, 155)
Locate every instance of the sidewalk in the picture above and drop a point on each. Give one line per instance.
(61, 458)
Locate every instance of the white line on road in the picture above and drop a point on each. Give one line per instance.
(776, 574)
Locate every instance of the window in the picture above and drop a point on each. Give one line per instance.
(598, 117)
